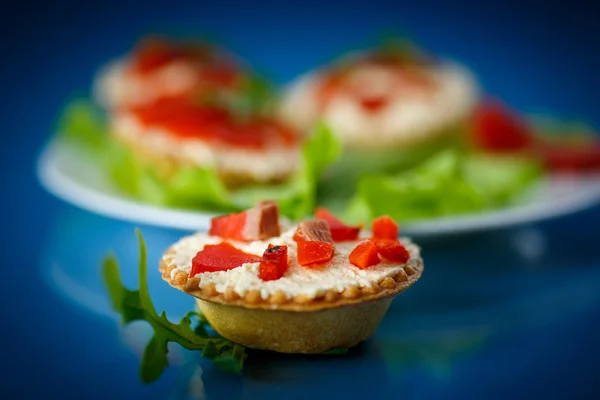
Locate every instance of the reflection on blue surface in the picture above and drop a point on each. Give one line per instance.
(482, 297)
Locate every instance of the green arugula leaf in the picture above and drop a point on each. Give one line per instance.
(232, 361)
(135, 305)
(154, 359)
(253, 95)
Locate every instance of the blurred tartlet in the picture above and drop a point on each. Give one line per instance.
(383, 99)
(181, 132)
(190, 125)
(305, 288)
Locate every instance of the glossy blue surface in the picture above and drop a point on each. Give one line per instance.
(497, 315)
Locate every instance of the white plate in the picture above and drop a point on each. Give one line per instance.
(69, 176)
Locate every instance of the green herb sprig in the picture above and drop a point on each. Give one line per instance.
(135, 305)
(253, 96)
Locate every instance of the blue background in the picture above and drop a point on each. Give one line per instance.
(510, 325)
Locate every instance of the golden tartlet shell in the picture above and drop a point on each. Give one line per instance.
(298, 325)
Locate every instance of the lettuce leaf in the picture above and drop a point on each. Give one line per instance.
(297, 197)
(81, 122)
(340, 182)
(195, 187)
(501, 179)
(448, 183)
(552, 129)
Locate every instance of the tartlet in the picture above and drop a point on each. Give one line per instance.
(180, 104)
(376, 100)
(310, 308)
(175, 133)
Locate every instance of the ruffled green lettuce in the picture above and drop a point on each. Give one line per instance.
(340, 181)
(435, 183)
(449, 183)
(194, 187)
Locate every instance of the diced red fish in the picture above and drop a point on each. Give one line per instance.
(314, 252)
(314, 230)
(392, 250)
(315, 244)
(229, 226)
(364, 255)
(384, 228)
(274, 263)
(258, 223)
(262, 221)
(339, 231)
(220, 257)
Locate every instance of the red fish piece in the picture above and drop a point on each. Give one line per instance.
(339, 231)
(364, 255)
(220, 257)
(392, 250)
(258, 223)
(314, 252)
(274, 263)
(228, 226)
(315, 230)
(262, 221)
(384, 228)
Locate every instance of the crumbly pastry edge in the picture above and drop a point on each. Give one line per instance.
(385, 287)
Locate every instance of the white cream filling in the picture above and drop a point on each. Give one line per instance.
(116, 86)
(408, 115)
(337, 274)
(263, 165)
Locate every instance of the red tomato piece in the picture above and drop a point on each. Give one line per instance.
(314, 252)
(274, 263)
(385, 227)
(582, 158)
(374, 104)
(364, 254)
(392, 250)
(339, 231)
(183, 118)
(497, 129)
(220, 257)
(228, 226)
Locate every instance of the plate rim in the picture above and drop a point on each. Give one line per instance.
(130, 210)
